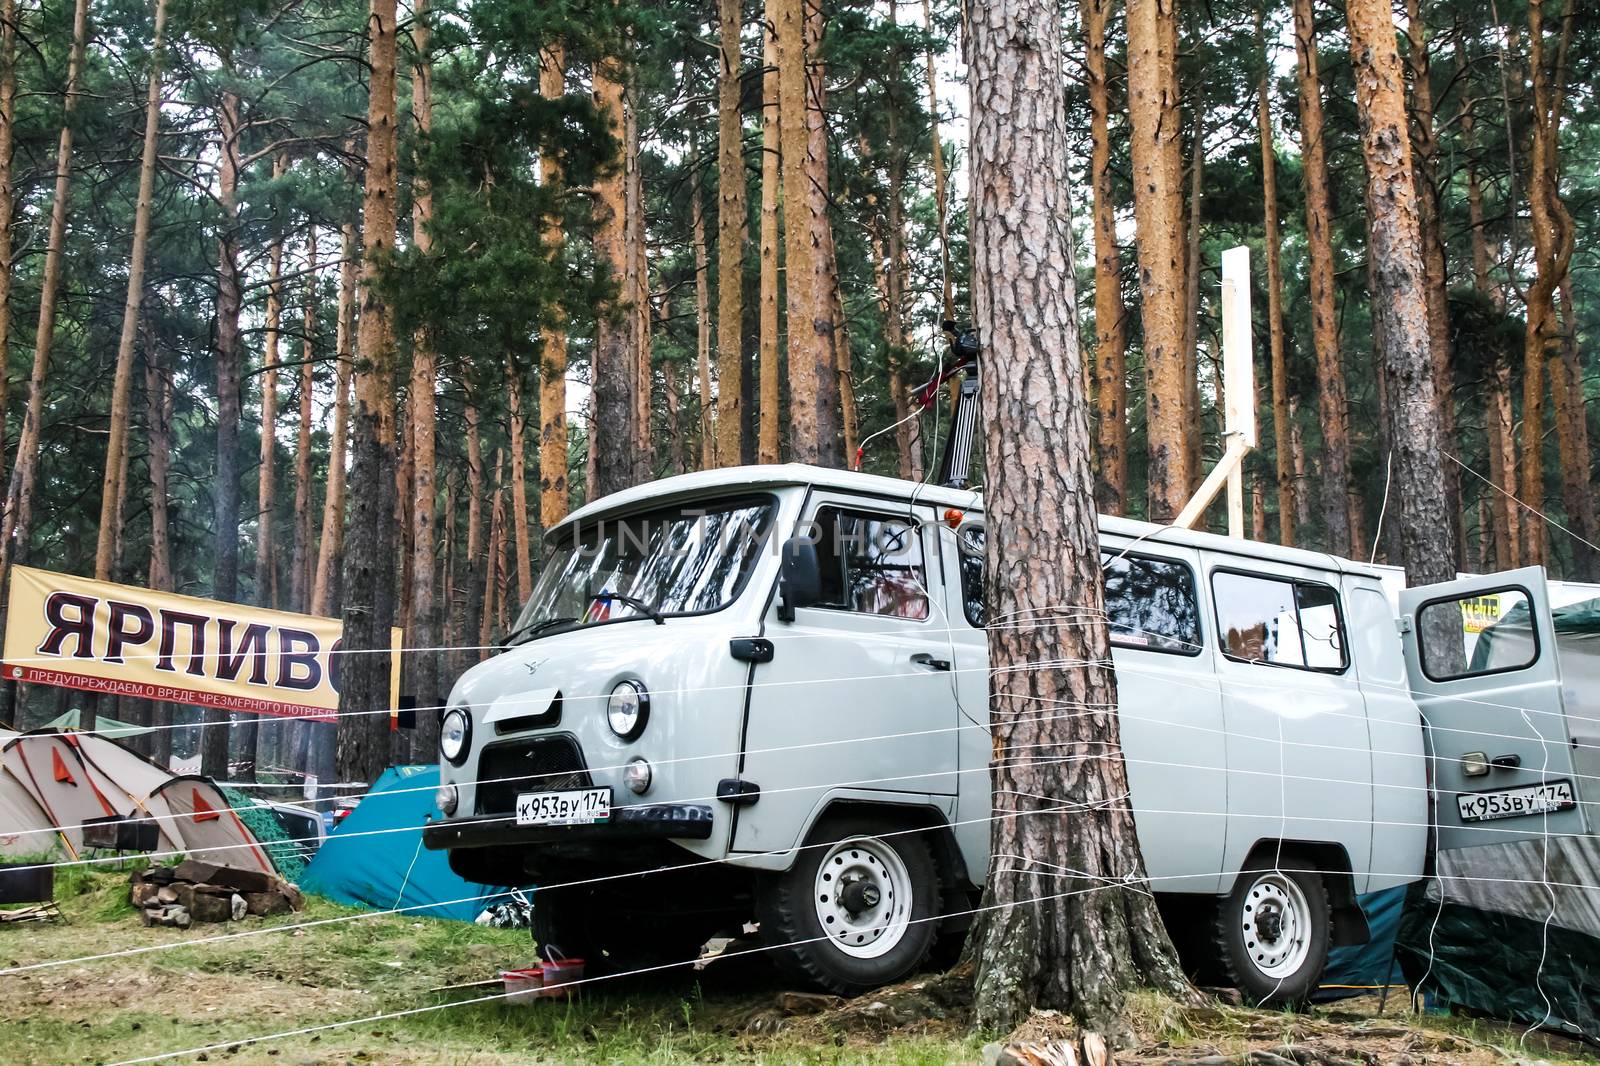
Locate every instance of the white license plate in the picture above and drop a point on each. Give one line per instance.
(583, 806)
(1516, 802)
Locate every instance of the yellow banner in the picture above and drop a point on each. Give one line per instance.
(100, 637)
(1480, 612)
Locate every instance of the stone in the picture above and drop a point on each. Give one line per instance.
(238, 908)
(266, 903)
(167, 894)
(210, 908)
(227, 876)
(292, 895)
(142, 894)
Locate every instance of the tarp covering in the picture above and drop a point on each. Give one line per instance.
(1509, 931)
(375, 857)
(1364, 968)
(106, 727)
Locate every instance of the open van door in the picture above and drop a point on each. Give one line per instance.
(1481, 655)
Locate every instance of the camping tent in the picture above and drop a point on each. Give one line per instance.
(375, 857)
(106, 727)
(1361, 969)
(25, 829)
(210, 829)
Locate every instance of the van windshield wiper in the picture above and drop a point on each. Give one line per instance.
(646, 609)
(528, 632)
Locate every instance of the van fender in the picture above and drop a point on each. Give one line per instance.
(1329, 859)
(913, 809)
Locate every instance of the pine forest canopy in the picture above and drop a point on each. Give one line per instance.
(296, 297)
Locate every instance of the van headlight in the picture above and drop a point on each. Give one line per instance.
(446, 799)
(455, 736)
(628, 709)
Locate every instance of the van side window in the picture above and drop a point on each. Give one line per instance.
(871, 564)
(1484, 633)
(970, 549)
(1279, 621)
(1150, 604)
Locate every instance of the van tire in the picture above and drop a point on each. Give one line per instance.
(878, 862)
(1272, 932)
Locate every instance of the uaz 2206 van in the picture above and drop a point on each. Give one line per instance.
(762, 694)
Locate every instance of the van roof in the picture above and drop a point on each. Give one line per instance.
(703, 482)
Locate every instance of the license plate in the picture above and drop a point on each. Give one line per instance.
(1516, 802)
(583, 806)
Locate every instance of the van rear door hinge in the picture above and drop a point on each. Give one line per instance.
(738, 793)
(751, 649)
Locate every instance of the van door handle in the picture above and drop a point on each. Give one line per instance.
(922, 658)
(1506, 762)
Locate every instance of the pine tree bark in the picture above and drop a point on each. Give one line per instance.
(833, 389)
(362, 742)
(1111, 344)
(709, 411)
(1400, 310)
(266, 581)
(330, 544)
(302, 560)
(613, 437)
(1158, 219)
(9, 26)
(1572, 441)
(25, 473)
(1283, 451)
(1193, 417)
(771, 180)
(423, 634)
(494, 576)
(1332, 406)
(122, 379)
(941, 182)
(553, 337)
(731, 225)
(808, 321)
(474, 549)
(1552, 233)
(521, 538)
(159, 407)
(1076, 942)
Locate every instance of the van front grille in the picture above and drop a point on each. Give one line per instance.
(543, 764)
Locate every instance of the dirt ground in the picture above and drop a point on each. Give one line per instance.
(104, 989)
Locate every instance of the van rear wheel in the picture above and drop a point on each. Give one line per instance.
(1273, 932)
(858, 908)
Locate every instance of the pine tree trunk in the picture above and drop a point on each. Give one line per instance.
(808, 321)
(1400, 307)
(638, 292)
(1111, 345)
(266, 471)
(122, 380)
(1193, 418)
(771, 179)
(521, 539)
(305, 488)
(1076, 942)
(330, 545)
(25, 473)
(1572, 439)
(1332, 407)
(476, 578)
(831, 387)
(423, 635)
(1551, 229)
(941, 196)
(363, 742)
(553, 361)
(9, 26)
(613, 436)
(731, 225)
(493, 579)
(1424, 151)
(702, 320)
(1283, 452)
(1158, 219)
(227, 356)
(159, 405)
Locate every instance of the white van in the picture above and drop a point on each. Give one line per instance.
(762, 693)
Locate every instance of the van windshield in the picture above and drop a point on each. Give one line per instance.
(684, 560)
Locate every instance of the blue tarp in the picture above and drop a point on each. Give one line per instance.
(1365, 968)
(375, 857)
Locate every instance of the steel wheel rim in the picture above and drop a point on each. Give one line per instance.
(851, 870)
(1276, 924)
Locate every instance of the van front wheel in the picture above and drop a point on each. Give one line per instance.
(858, 908)
(1273, 932)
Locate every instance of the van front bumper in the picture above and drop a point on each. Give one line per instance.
(659, 821)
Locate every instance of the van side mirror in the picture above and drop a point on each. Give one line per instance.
(799, 577)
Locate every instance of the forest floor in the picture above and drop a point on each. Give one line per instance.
(239, 991)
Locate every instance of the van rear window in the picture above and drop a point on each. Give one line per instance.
(1150, 604)
(1279, 621)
